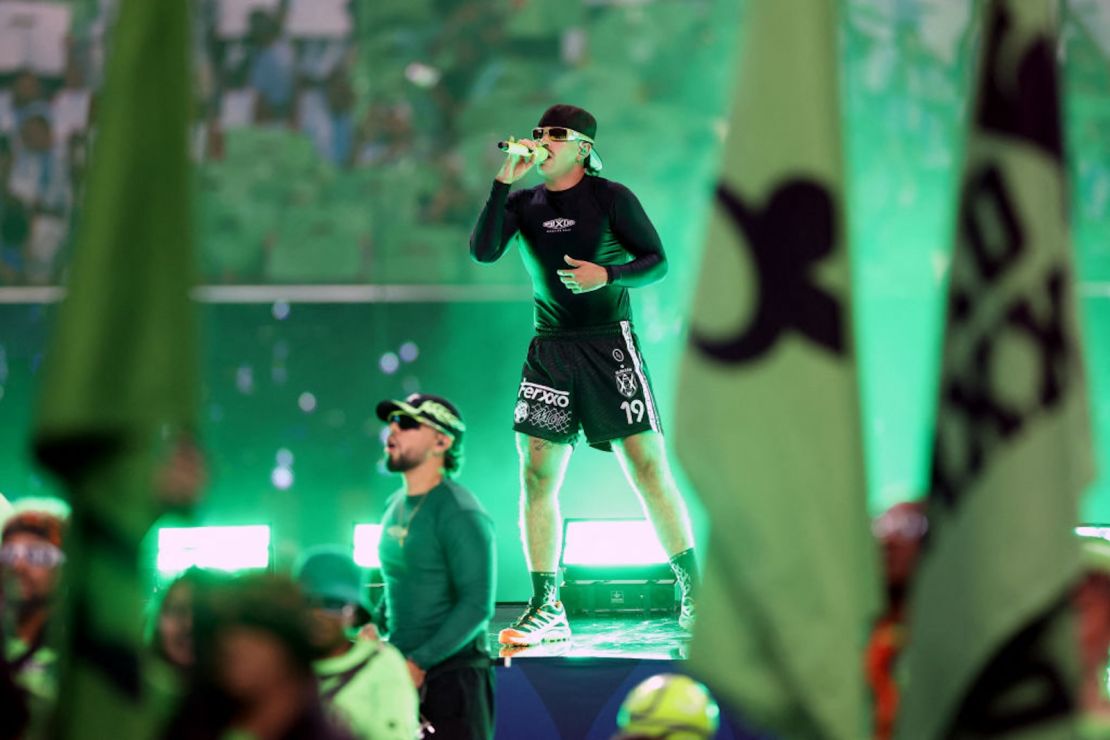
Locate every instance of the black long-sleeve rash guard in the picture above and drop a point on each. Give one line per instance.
(598, 221)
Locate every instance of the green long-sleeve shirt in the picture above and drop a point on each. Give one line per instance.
(439, 586)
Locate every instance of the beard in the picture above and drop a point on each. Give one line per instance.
(400, 463)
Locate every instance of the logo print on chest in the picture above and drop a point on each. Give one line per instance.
(558, 225)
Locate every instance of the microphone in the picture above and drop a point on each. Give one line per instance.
(516, 148)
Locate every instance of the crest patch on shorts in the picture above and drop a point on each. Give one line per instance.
(626, 382)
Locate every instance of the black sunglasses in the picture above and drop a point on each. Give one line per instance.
(404, 421)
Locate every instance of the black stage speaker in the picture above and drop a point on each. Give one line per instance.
(619, 591)
(615, 567)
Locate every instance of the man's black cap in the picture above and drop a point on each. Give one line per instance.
(570, 116)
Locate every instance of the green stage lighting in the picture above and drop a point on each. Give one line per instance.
(611, 542)
(367, 537)
(219, 548)
(615, 566)
(1094, 530)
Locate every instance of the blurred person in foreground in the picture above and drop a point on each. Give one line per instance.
(671, 706)
(31, 561)
(364, 682)
(174, 611)
(1092, 603)
(899, 531)
(253, 676)
(585, 241)
(14, 719)
(439, 566)
(171, 626)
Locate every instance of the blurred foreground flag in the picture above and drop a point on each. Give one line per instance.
(992, 650)
(768, 405)
(121, 368)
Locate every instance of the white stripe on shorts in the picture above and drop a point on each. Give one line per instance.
(626, 330)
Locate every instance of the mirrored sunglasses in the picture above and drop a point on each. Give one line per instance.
(44, 556)
(559, 133)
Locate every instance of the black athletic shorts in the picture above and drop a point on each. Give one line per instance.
(590, 379)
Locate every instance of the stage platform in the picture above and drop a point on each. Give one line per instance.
(634, 638)
(572, 690)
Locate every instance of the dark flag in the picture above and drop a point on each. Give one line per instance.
(992, 650)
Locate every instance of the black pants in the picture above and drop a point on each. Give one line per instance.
(458, 702)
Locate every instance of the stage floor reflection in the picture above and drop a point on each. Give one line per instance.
(636, 637)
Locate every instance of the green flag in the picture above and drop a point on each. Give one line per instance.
(992, 648)
(121, 364)
(768, 405)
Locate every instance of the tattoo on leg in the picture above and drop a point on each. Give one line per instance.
(541, 444)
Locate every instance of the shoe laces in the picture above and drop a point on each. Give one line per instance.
(533, 612)
(528, 616)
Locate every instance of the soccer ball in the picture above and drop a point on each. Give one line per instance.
(669, 705)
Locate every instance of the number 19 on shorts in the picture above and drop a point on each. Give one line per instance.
(636, 407)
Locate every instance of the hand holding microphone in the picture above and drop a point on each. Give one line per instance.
(523, 155)
(518, 149)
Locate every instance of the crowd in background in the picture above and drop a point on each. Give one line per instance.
(1089, 107)
(339, 141)
(352, 140)
(43, 147)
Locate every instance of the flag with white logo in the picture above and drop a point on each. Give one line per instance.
(992, 648)
(768, 425)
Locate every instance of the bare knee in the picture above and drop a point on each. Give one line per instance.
(539, 481)
(646, 465)
(650, 476)
(541, 467)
